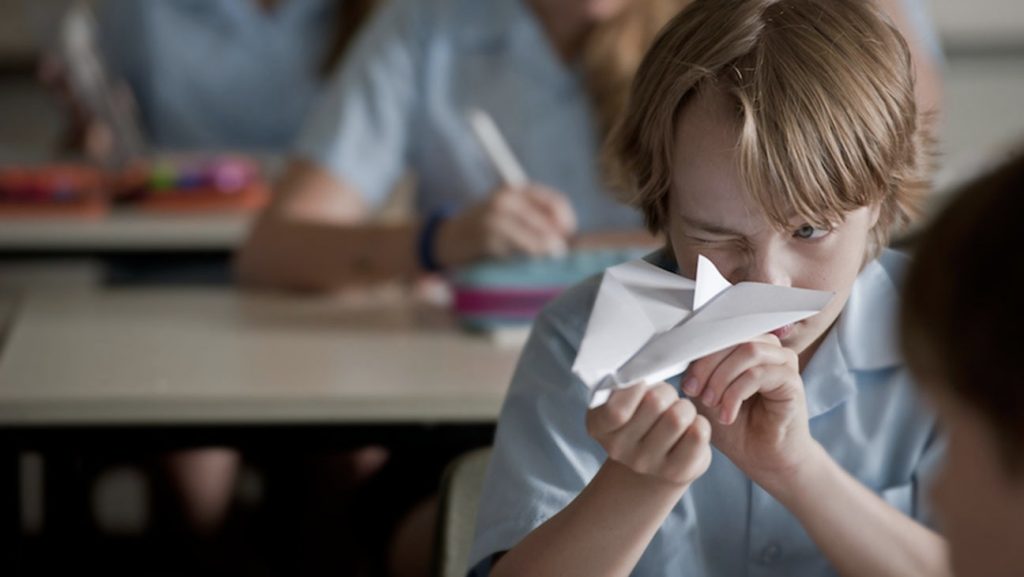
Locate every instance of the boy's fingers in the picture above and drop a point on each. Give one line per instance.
(744, 387)
(656, 401)
(773, 382)
(739, 361)
(691, 455)
(614, 414)
(670, 426)
(700, 371)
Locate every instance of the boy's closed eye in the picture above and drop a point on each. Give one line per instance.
(711, 240)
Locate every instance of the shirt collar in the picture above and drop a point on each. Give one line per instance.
(867, 326)
(663, 259)
(863, 338)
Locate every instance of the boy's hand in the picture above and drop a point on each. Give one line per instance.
(754, 397)
(654, 432)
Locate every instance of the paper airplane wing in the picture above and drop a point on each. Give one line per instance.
(635, 301)
(736, 315)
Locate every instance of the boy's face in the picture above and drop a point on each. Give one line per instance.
(711, 213)
(980, 505)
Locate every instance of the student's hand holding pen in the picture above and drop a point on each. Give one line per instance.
(530, 220)
(653, 432)
(518, 218)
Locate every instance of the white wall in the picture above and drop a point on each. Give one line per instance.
(980, 21)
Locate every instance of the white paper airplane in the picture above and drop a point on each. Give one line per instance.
(648, 324)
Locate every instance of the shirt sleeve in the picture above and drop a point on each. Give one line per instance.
(543, 456)
(359, 129)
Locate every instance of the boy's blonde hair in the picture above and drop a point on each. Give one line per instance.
(824, 91)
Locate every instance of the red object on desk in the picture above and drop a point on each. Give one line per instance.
(196, 185)
(53, 191)
(180, 185)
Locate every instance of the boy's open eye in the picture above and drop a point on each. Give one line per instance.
(808, 232)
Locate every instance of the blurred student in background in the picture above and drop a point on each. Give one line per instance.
(236, 75)
(961, 322)
(216, 75)
(553, 74)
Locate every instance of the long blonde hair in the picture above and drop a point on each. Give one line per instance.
(824, 94)
(612, 51)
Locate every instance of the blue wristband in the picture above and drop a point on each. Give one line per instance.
(428, 238)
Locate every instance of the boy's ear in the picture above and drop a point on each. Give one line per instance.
(876, 213)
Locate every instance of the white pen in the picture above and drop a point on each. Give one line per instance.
(501, 156)
(497, 149)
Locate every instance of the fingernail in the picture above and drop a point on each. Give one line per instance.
(708, 397)
(723, 417)
(690, 385)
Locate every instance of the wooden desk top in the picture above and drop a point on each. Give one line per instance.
(219, 356)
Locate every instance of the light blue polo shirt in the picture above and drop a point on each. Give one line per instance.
(863, 409)
(400, 99)
(219, 74)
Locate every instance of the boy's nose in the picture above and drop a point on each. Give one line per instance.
(769, 269)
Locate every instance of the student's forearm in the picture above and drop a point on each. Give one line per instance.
(861, 534)
(296, 254)
(603, 532)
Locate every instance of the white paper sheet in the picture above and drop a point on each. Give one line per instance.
(648, 324)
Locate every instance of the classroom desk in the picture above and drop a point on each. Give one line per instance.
(221, 356)
(144, 369)
(124, 231)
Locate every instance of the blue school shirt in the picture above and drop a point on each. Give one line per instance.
(400, 98)
(863, 409)
(219, 74)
